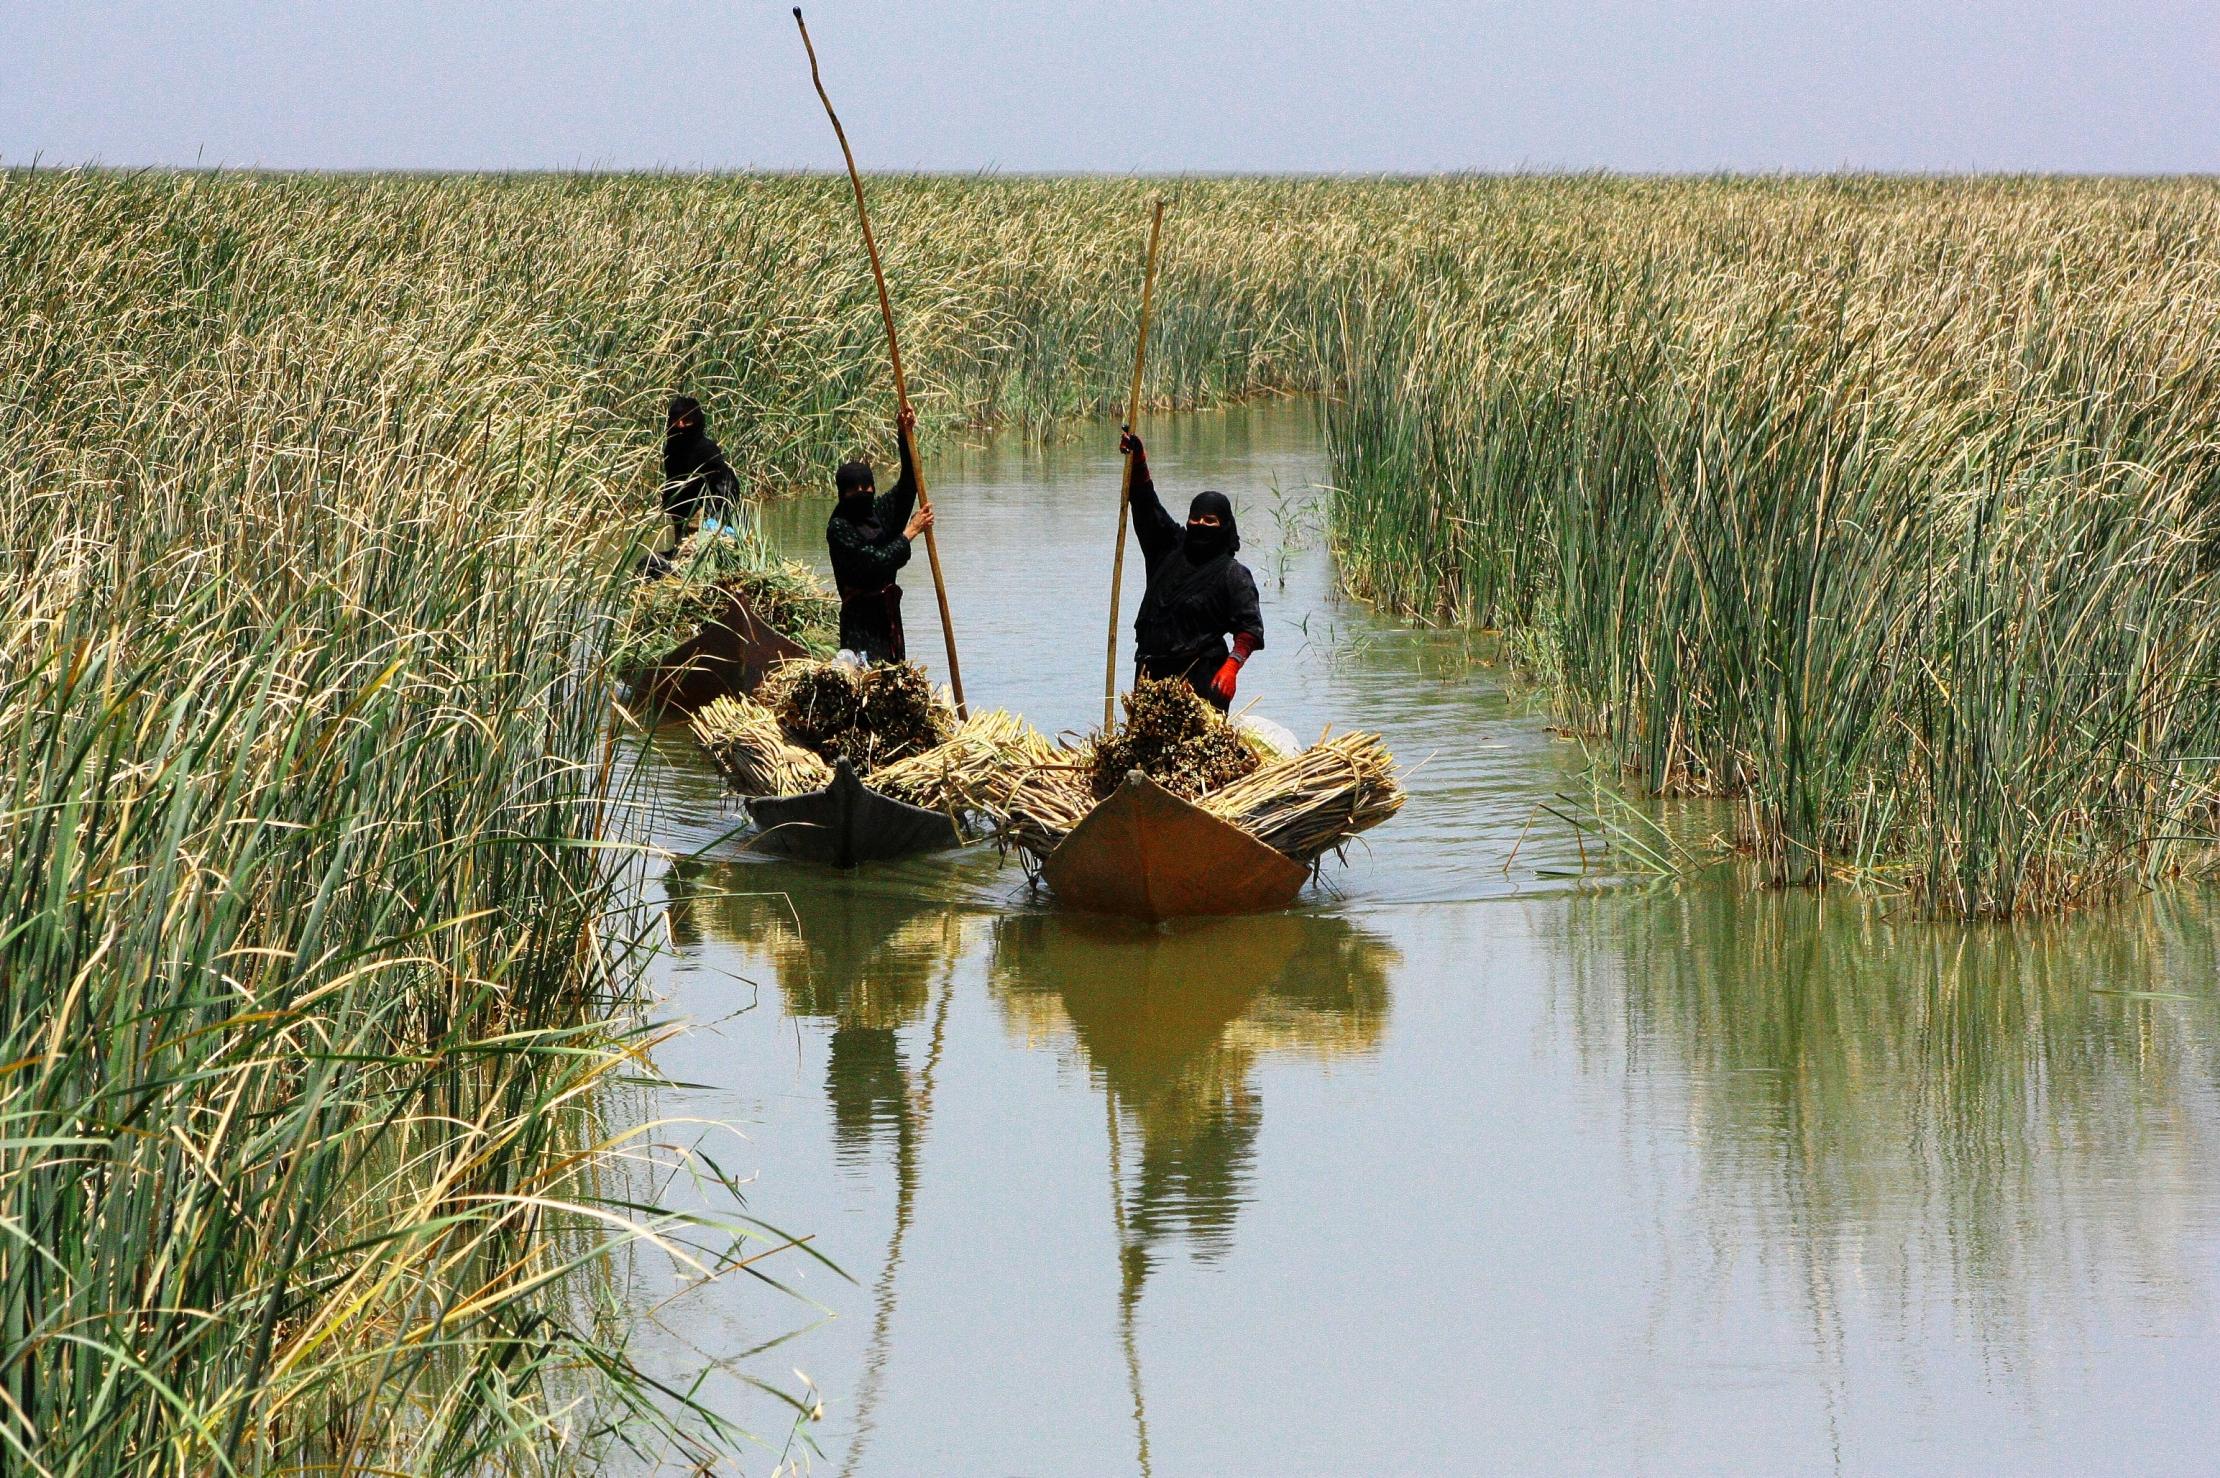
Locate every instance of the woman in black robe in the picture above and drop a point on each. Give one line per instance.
(1198, 594)
(869, 538)
(697, 480)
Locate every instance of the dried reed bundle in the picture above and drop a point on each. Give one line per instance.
(1307, 804)
(868, 716)
(814, 702)
(974, 771)
(745, 741)
(898, 715)
(1044, 805)
(1174, 737)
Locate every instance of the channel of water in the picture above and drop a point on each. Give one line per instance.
(1481, 1159)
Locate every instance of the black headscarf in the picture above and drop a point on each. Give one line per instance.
(687, 448)
(848, 482)
(1202, 545)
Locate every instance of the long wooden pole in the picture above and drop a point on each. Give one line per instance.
(893, 353)
(1125, 482)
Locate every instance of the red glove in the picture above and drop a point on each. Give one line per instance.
(1244, 646)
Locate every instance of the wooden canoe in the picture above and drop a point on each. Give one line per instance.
(729, 653)
(847, 824)
(1146, 854)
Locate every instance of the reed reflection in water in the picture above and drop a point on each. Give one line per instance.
(1954, 1126)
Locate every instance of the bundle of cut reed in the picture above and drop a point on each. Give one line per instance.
(745, 741)
(667, 611)
(871, 716)
(1178, 740)
(1302, 805)
(1309, 803)
(974, 771)
(1044, 805)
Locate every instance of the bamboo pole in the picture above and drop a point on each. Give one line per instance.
(894, 354)
(1125, 482)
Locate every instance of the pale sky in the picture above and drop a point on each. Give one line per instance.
(2131, 86)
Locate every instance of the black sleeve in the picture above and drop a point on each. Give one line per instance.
(1158, 532)
(881, 559)
(1243, 611)
(722, 491)
(681, 495)
(894, 505)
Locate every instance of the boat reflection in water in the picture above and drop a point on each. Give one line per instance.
(865, 962)
(1172, 1023)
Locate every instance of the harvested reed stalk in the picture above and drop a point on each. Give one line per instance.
(1175, 738)
(1306, 805)
(814, 702)
(1044, 805)
(898, 715)
(975, 771)
(869, 716)
(743, 738)
(664, 613)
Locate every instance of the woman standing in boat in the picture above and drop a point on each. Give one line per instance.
(698, 483)
(869, 538)
(1198, 594)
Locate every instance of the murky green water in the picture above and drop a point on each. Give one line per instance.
(1470, 1164)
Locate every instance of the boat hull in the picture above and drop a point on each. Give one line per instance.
(729, 654)
(1146, 854)
(847, 824)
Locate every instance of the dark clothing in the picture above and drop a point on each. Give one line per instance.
(1198, 593)
(868, 548)
(696, 477)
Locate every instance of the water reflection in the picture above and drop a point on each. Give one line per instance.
(862, 961)
(1711, 1180)
(867, 962)
(1172, 1024)
(1972, 1120)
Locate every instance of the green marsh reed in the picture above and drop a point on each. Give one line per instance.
(1884, 509)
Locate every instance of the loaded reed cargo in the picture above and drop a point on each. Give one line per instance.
(869, 716)
(1001, 771)
(724, 610)
(1302, 805)
(1179, 741)
(886, 721)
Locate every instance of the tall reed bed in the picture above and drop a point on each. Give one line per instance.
(1885, 508)
(317, 938)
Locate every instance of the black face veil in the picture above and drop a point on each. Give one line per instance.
(1204, 544)
(686, 444)
(852, 479)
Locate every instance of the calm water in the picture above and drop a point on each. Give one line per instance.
(1474, 1162)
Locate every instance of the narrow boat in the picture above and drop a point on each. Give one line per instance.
(728, 653)
(1144, 853)
(847, 824)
